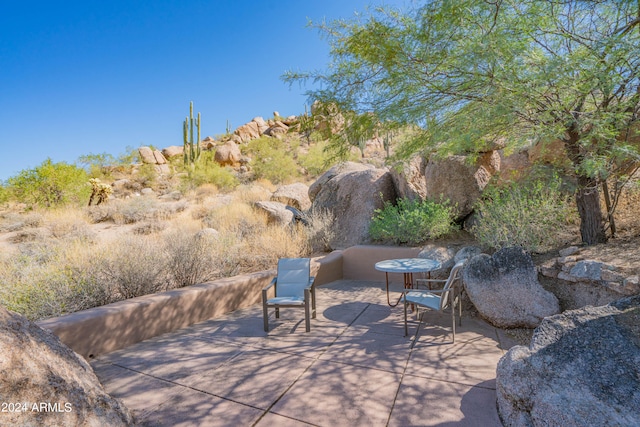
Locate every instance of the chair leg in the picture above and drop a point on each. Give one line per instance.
(313, 302)
(277, 312)
(265, 311)
(307, 315)
(453, 322)
(406, 329)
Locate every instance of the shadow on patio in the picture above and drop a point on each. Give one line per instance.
(355, 367)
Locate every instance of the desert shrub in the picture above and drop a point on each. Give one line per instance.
(532, 215)
(134, 266)
(52, 279)
(190, 257)
(98, 165)
(147, 176)
(320, 230)
(5, 194)
(207, 171)
(71, 229)
(411, 221)
(149, 227)
(271, 159)
(50, 184)
(316, 160)
(14, 221)
(135, 209)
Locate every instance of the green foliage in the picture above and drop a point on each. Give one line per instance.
(130, 156)
(208, 171)
(5, 194)
(532, 215)
(95, 164)
(50, 184)
(411, 221)
(316, 160)
(271, 159)
(470, 73)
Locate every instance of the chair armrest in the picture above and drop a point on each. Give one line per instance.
(311, 280)
(273, 282)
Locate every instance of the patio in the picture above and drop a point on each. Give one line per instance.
(355, 367)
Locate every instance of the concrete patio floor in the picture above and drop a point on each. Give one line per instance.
(354, 368)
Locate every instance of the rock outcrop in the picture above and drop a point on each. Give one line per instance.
(352, 198)
(455, 180)
(154, 157)
(277, 213)
(173, 151)
(228, 154)
(505, 290)
(409, 179)
(248, 131)
(443, 255)
(582, 368)
(345, 167)
(296, 195)
(52, 385)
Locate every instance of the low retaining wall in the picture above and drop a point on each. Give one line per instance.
(101, 330)
(104, 329)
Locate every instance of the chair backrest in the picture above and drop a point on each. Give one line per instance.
(449, 284)
(293, 276)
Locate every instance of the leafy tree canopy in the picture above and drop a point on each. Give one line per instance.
(472, 72)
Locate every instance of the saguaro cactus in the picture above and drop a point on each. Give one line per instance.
(191, 147)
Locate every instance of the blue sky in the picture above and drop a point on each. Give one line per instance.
(81, 77)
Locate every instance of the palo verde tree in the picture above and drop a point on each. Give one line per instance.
(472, 72)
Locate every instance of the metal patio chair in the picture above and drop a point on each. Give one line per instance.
(293, 287)
(437, 299)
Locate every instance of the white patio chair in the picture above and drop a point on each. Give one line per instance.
(437, 299)
(293, 287)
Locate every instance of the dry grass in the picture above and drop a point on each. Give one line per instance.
(63, 265)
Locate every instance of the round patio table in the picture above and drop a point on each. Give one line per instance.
(406, 266)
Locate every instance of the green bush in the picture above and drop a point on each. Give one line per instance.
(271, 159)
(51, 184)
(531, 215)
(208, 171)
(315, 160)
(4, 194)
(411, 221)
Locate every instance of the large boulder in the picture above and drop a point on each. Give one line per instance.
(146, 155)
(454, 179)
(444, 255)
(296, 195)
(277, 213)
(43, 382)
(173, 151)
(228, 154)
(277, 129)
(336, 170)
(160, 160)
(505, 290)
(409, 178)
(261, 124)
(352, 198)
(582, 368)
(248, 131)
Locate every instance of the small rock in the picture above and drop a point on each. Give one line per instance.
(587, 270)
(571, 250)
